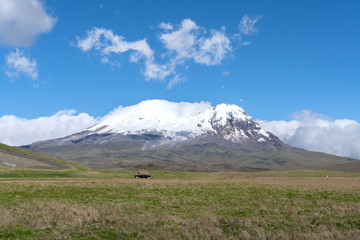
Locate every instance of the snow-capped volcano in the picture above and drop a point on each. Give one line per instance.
(181, 121)
(156, 131)
(159, 123)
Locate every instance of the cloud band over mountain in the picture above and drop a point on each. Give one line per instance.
(315, 132)
(307, 130)
(20, 131)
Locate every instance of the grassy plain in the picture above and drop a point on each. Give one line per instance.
(179, 205)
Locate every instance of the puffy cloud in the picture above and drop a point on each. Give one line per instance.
(315, 132)
(188, 42)
(182, 40)
(17, 63)
(247, 25)
(183, 43)
(22, 20)
(214, 49)
(106, 42)
(19, 131)
(166, 26)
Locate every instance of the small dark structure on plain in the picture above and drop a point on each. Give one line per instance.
(142, 174)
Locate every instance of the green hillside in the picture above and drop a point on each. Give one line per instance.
(12, 156)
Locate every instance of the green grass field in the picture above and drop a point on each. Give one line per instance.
(90, 204)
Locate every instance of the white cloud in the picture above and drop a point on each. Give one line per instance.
(20, 131)
(17, 63)
(315, 132)
(156, 71)
(176, 80)
(182, 40)
(247, 25)
(22, 20)
(107, 43)
(166, 26)
(183, 43)
(213, 50)
(189, 42)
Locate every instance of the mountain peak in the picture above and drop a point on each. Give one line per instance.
(182, 120)
(153, 115)
(225, 112)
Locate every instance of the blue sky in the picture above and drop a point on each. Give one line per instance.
(293, 64)
(304, 55)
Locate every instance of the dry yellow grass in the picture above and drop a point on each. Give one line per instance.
(237, 206)
(311, 183)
